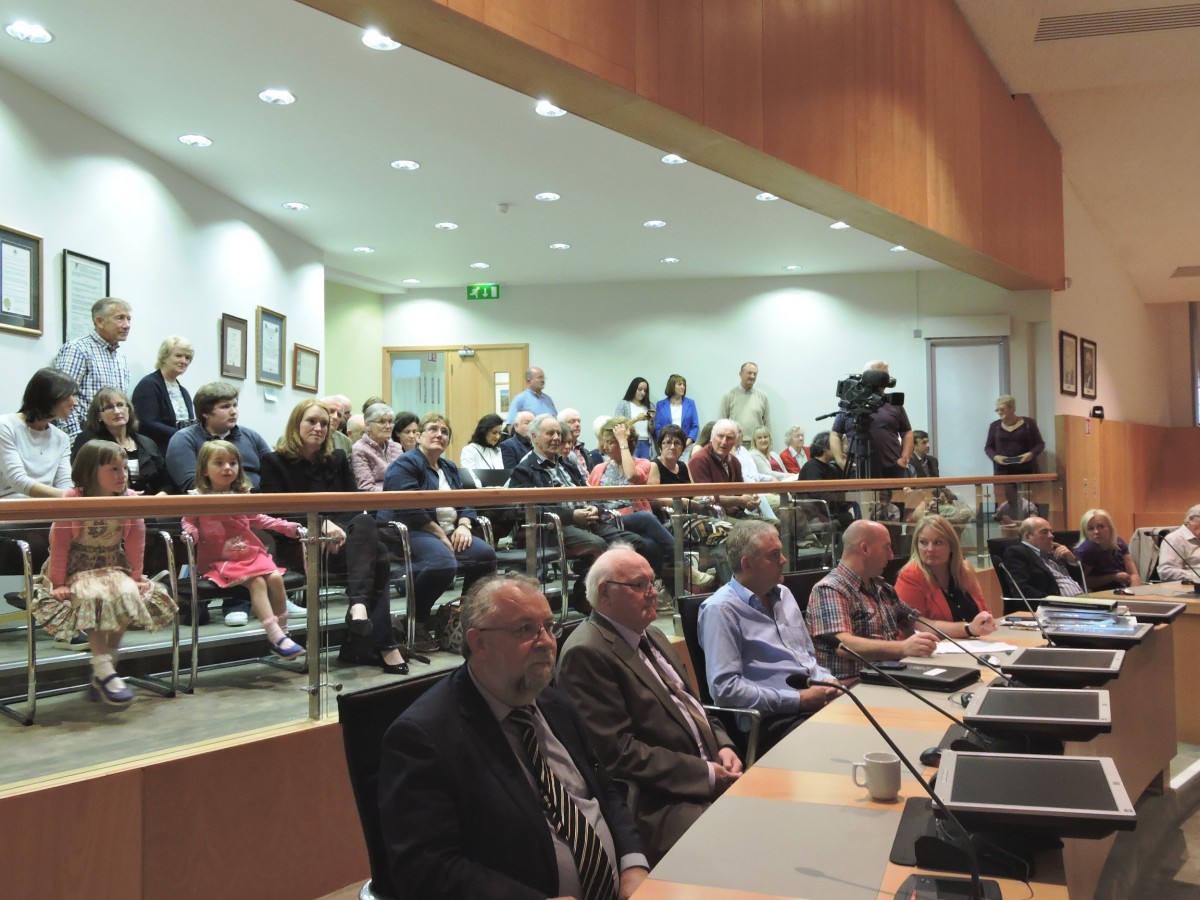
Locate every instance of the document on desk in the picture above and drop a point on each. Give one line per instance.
(980, 647)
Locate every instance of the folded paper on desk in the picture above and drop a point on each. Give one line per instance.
(977, 647)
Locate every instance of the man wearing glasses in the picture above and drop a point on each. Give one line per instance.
(631, 690)
(487, 785)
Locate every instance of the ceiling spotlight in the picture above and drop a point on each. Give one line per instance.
(377, 40)
(406, 165)
(411, 281)
(765, 197)
(30, 32)
(547, 196)
(480, 265)
(669, 259)
(654, 223)
(560, 246)
(277, 97)
(548, 109)
(674, 159)
(791, 268)
(838, 226)
(898, 249)
(195, 140)
(364, 249)
(445, 226)
(296, 206)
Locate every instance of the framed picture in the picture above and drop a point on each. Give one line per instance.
(271, 364)
(234, 332)
(1087, 369)
(20, 282)
(306, 364)
(85, 280)
(1068, 356)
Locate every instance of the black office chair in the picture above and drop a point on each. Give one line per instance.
(802, 583)
(892, 570)
(1008, 590)
(689, 614)
(365, 717)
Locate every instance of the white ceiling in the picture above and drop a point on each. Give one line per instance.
(152, 71)
(1125, 108)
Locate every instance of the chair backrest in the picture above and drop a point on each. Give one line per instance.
(996, 548)
(802, 583)
(365, 716)
(1068, 538)
(892, 570)
(689, 615)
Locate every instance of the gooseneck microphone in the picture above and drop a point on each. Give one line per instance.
(1029, 606)
(1183, 559)
(982, 660)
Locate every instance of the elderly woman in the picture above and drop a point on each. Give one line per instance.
(677, 408)
(1013, 442)
(941, 585)
(405, 430)
(110, 417)
(442, 540)
(1103, 554)
(304, 461)
(483, 450)
(375, 450)
(163, 404)
(636, 407)
(793, 455)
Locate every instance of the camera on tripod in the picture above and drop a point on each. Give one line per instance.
(859, 394)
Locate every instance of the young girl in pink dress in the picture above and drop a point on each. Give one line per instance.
(93, 580)
(228, 552)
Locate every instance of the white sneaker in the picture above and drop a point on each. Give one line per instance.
(236, 619)
(296, 612)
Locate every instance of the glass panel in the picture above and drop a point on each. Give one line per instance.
(418, 381)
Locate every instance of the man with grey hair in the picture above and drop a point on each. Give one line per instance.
(1179, 555)
(356, 427)
(488, 787)
(1040, 566)
(715, 463)
(339, 412)
(515, 449)
(95, 360)
(573, 450)
(631, 690)
(745, 404)
(533, 399)
(890, 434)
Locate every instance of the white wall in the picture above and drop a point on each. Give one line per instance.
(181, 253)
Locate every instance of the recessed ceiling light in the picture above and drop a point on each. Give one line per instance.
(674, 159)
(377, 40)
(406, 165)
(480, 265)
(838, 226)
(547, 196)
(669, 259)
(654, 223)
(30, 32)
(277, 97)
(560, 246)
(445, 226)
(295, 206)
(411, 281)
(792, 268)
(898, 249)
(765, 197)
(195, 140)
(548, 109)
(364, 249)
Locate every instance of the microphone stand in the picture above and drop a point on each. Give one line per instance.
(982, 660)
(1183, 559)
(1029, 606)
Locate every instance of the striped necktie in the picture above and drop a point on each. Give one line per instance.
(595, 870)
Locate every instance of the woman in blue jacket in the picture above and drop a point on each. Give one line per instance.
(677, 408)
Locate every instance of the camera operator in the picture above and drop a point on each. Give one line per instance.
(891, 437)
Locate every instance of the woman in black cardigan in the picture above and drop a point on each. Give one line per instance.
(163, 404)
(110, 417)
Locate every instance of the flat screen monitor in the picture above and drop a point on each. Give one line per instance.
(1096, 634)
(1063, 666)
(1154, 611)
(1067, 714)
(1064, 796)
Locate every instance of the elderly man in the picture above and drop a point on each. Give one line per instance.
(95, 360)
(1039, 566)
(714, 463)
(533, 399)
(339, 409)
(890, 433)
(1179, 555)
(744, 404)
(216, 417)
(573, 449)
(631, 690)
(754, 636)
(356, 427)
(487, 786)
(513, 450)
(855, 607)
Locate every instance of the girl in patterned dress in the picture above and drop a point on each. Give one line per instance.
(93, 580)
(229, 553)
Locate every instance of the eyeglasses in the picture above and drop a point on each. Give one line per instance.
(437, 429)
(641, 586)
(670, 442)
(115, 407)
(530, 632)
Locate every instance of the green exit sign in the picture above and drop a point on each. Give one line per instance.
(483, 292)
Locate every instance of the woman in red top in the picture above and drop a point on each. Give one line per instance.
(941, 585)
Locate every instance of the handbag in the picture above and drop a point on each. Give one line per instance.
(447, 625)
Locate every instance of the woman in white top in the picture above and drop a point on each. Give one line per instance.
(766, 460)
(636, 407)
(483, 450)
(35, 454)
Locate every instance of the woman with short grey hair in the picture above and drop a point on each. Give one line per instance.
(163, 405)
(375, 450)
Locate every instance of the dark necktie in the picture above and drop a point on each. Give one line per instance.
(686, 700)
(595, 872)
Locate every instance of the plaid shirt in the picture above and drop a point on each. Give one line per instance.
(94, 363)
(843, 602)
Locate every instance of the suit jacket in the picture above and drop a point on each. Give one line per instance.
(459, 816)
(1031, 573)
(924, 468)
(513, 450)
(690, 420)
(637, 730)
(156, 415)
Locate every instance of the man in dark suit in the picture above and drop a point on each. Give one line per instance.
(513, 450)
(487, 786)
(631, 689)
(1039, 566)
(921, 464)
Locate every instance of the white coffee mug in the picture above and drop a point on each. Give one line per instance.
(882, 772)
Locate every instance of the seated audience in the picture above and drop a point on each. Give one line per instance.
(636, 407)
(946, 504)
(631, 690)
(570, 422)
(517, 447)
(164, 405)
(216, 417)
(767, 461)
(714, 463)
(1103, 554)
(462, 812)
(110, 417)
(793, 455)
(940, 584)
(356, 427)
(405, 430)
(700, 530)
(1039, 566)
(374, 451)
(921, 464)
(339, 411)
(822, 467)
(853, 606)
(1179, 553)
(885, 509)
(483, 450)
(677, 408)
(1015, 509)
(34, 452)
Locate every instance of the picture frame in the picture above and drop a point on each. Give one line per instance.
(270, 352)
(234, 336)
(1068, 363)
(1087, 369)
(306, 367)
(20, 282)
(85, 279)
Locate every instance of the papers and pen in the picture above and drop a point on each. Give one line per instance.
(980, 647)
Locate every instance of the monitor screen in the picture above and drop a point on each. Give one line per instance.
(1060, 657)
(1042, 704)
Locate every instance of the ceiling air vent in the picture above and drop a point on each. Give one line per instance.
(1187, 272)
(1120, 21)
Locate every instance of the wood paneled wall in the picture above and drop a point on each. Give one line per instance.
(886, 115)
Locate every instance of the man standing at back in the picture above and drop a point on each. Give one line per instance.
(746, 405)
(533, 399)
(95, 360)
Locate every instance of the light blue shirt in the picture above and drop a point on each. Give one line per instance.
(527, 400)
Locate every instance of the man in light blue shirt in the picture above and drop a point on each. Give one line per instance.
(532, 399)
(754, 636)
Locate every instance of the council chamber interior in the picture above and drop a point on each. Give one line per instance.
(1002, 259)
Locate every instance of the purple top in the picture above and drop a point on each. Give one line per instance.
(1098, 561)
(1025, 439)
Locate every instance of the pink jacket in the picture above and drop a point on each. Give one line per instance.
(63, 533)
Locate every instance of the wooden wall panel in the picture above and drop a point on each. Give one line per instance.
(733, 70)
(670, 55)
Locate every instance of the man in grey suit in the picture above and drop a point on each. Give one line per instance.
(631, 690)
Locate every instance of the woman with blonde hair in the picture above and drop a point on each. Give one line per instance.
(941, 585)
(1104, 555)
(162, 403)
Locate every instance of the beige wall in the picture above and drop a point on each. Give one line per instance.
(353, 328)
